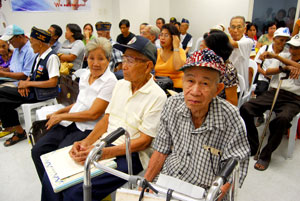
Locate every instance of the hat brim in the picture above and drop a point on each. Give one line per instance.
(293, 43)
(6, 37)
(123, 48)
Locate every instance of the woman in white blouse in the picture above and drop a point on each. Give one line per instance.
(72, 49)
(76, 121)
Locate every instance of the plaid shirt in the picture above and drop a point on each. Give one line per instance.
(188, 160)
(116, 57)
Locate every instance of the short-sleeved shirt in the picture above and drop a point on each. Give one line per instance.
(138, 112)
(116, 57)
(167, 68)
(230, 78)
(240, 58)
(124, 40)
(76, 48)
(101, 88)
(267, 62)
(291, 85)
(264, 40)
(22, 59)
(52, 65)
(187, 147)
(56, 46)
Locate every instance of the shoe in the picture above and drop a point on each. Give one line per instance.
(5, 133)
(259, 121)
(17, 137)
(262, 165)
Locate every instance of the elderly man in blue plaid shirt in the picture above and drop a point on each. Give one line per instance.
(198, 130)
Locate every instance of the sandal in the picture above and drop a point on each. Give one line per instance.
(261, 165)
(17, 137)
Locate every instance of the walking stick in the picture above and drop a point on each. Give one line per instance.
(270, 114)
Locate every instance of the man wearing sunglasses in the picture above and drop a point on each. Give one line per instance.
(23, 56)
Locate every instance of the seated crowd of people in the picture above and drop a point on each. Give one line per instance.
(189, 135)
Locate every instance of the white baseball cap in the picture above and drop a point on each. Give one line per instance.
(282, 31)
(295, 41)
(11, 31)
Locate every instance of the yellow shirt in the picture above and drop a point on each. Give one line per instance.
(167, 68)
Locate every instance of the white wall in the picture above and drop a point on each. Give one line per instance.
(203, 14)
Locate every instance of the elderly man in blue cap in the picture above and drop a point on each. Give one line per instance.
(186, 39)
(199, 131)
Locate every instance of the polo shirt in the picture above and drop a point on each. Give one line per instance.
(101, 88)
(138, 112)
(22, 59)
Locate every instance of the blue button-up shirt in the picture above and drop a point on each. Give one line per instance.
(22, 59)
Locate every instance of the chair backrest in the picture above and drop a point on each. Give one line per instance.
(242, 87)
(253, 65)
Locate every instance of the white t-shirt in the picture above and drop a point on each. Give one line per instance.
(240, 58)
(291, 85)
(52, 65)
(190, 43)
(101, 88)
(76, 48)
(267, 62)
(138, 112)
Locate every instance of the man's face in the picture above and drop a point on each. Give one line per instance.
(15, 41)
(102, 34)
(199, 87)
(142, 27)
(295, 52)
(135, 66)
(52, 32)
(183, 27)
(124, 29)
(3, 47)
(146, 33)
(35, 44)
(159, 24)
(279, 41)
(237, 29)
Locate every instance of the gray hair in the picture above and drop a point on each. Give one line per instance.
(239, 17)
(154, 31)
(102, 43)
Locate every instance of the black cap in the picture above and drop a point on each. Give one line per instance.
(103, 26)
(141, 45)
(40, 34)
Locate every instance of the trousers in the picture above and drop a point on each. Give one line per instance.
(287, 106)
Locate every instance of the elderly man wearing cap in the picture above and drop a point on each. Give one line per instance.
(186, 39)
(40, 85)
(198, 130)
(23, 56)
(115, 64)
(136, 104)
(287, 105)
(242, 47)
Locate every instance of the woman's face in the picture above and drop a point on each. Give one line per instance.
(68, 34)
(165, 38)
(88, 28)
(3, 47)
(251, 32)
(97, 62)
(271, 30)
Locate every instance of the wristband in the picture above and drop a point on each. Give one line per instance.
(176, 49)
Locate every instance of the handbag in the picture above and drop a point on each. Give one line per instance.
(68, 90)
(37, 131)
(164, 82)
(65, 68)
(45, 93)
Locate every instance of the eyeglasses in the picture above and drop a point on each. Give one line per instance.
(236, 27)
(131, 60)
(164, 35)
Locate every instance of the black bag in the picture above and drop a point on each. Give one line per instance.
(37, 130)
(45, 93)
(164, 82)
(69, 90)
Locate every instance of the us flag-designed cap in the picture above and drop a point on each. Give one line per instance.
(205, 58)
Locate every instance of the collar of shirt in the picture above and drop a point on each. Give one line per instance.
(25, 47)
(105, 76)
(43, 56)
(213, 118)
(146, 88)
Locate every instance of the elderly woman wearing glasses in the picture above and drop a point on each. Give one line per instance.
(170, 57)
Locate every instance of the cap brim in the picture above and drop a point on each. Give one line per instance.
(6, 37)
(123, 48)
(293, 43)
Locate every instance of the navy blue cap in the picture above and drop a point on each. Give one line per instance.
(185, 21)
(40, 34)
(141, 45)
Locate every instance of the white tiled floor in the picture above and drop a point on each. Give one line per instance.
(280, 182)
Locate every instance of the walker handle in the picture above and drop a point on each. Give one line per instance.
(114, 135)
(228, 168)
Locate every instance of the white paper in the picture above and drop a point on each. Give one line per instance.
(180, 186)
